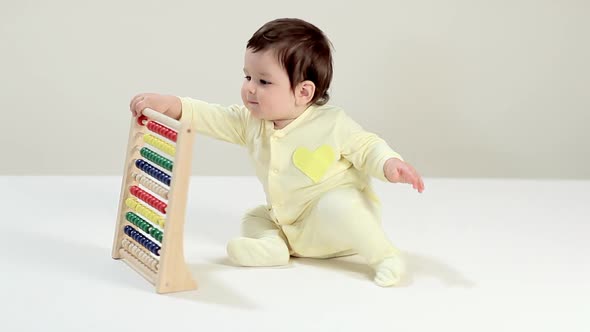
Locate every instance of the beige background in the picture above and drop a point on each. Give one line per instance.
(459, 88)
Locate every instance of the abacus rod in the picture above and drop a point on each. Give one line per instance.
(159, 117)
(138, 266)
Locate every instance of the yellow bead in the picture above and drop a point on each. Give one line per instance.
(131, 203)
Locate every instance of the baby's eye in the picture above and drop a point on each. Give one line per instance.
(248, 78)
(263, 82)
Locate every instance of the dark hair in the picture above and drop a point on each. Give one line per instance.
(302, 49)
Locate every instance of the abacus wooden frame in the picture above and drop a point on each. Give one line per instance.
(173, 274)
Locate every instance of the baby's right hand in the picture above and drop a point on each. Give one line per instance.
(169, 105)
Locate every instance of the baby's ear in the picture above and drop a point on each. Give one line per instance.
(304, 92)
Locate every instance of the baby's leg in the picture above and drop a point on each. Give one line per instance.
(348, 219)
(262, 243)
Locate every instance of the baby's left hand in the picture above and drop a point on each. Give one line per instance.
(397, 170)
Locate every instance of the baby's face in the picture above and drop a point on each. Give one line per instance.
(266, 91)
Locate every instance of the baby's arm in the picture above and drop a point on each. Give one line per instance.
(220, 122)
(223, 123)
(371, 154)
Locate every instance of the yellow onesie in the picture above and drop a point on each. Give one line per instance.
(316, 176)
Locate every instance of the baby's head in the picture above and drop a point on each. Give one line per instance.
(288, 66)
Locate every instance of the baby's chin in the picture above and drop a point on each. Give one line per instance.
(256, 113)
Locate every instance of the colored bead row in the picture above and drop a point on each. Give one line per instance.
(144, 241)
(157, 159)
(148, 198)
(148, 273)
(162, 130)
(153, 171)
(145, 181)
(144, 226)
(160, 144)
(142, 255)
(134, 205)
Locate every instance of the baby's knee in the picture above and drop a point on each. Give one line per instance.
(260, 211)
(257, 223)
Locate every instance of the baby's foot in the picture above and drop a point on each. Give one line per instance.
(389, 271)
(267, 251)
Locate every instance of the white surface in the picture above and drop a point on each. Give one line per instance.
(485, 255)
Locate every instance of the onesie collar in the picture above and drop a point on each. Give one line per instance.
(295, 123)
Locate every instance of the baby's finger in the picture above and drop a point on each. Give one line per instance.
(419, 183)
(131, 102)
(415, 178)
(134, 101)
(139, 105)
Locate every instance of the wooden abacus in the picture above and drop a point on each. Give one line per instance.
(149, 231)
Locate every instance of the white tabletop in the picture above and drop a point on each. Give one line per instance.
(484, 255)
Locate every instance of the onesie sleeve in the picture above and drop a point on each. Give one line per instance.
(216, 121)
(365, 150)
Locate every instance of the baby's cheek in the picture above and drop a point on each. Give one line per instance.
(243, 95)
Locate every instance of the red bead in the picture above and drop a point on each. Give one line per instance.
(141, 119)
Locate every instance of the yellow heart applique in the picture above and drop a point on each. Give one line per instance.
(314, 164)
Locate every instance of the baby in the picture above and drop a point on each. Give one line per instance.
(314, 162)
